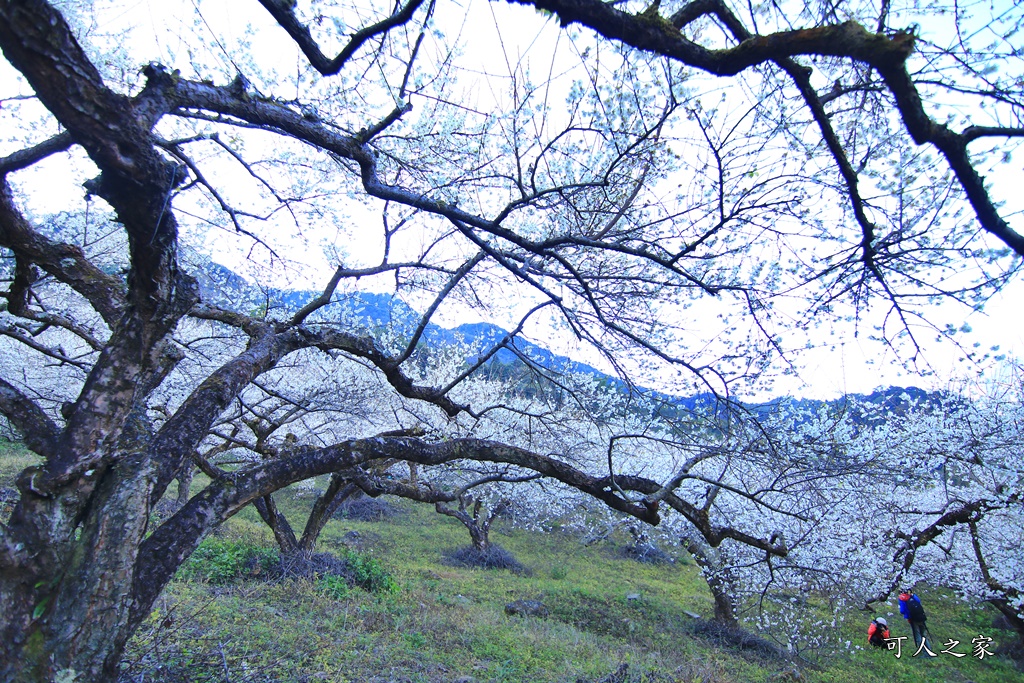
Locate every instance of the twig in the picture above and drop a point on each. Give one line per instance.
(224, 660)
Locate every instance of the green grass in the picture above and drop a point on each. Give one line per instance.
(444, 623)
(433, 623)
(219, 561)
(13, 459)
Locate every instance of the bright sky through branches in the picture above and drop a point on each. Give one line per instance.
(497, 43)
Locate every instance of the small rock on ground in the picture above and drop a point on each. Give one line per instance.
(526, 608)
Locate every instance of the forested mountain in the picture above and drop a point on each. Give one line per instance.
(383, 314)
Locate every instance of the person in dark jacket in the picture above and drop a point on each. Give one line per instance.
(913, 611)
(878, 632)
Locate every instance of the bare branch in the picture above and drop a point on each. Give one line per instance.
(39, 431)
(283, 13)
(66, 262)
(31, 155)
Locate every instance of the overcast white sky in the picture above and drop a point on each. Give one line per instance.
(837, 360)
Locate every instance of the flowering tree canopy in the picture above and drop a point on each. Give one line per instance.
(774, 165)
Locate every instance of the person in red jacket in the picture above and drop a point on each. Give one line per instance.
(878, 632)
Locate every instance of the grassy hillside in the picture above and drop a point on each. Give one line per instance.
(221, 621)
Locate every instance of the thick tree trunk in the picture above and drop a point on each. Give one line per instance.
(477, 522)
(283, 533)
(725, 612)
(712, 567)
(480, 539)
(72, 611)
(68, 555)
(337, 492)
(326, 504)
(1015, 622)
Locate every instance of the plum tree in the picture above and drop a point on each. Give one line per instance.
(619, 198)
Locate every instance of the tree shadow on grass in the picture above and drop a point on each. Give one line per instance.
(492, 557)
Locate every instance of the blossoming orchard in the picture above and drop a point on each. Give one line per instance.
(681, 196)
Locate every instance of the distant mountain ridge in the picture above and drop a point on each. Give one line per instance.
(374, 313)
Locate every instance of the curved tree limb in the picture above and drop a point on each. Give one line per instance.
(39, 431)
(885, 53)
(284, 14)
